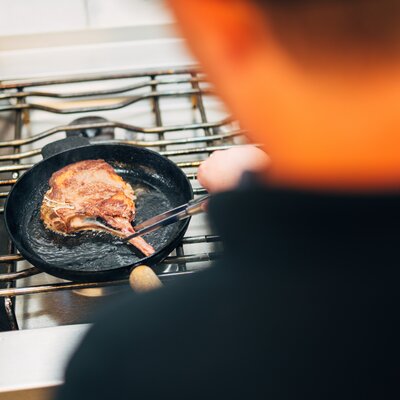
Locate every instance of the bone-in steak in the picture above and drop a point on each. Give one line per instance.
(86, 190)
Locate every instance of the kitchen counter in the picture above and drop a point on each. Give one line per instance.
(41, 364)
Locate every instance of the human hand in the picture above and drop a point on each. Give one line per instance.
(224, 168)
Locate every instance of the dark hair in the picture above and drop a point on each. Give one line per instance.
(346, 26)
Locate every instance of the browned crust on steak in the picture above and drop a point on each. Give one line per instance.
(90, 189)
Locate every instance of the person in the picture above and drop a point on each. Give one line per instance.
(305, 301)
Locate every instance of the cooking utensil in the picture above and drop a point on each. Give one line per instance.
(184, 211)
(152, 224)
(94, 223)
(159, 186)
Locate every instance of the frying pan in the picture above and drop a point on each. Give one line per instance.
(159, 186)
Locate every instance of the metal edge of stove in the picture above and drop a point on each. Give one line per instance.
(90, 58)
(15, 43)
(42, 363)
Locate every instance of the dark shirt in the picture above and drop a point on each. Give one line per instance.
(304, 304)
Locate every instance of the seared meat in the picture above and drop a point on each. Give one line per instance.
(87, 190)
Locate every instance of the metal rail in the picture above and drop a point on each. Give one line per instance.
(125, 101)
(203, 257)
(138, 143)
(170, 153)
(9, 304)
(24, 83)
(91, 93)
(55, 287)
(100, 125)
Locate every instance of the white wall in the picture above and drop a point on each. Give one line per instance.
(58, 37)
(21, 17)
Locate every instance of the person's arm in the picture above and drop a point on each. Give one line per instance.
(223, 169)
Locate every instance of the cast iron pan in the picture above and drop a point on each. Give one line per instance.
(159, 185)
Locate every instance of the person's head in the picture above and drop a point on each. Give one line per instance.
(317, 81)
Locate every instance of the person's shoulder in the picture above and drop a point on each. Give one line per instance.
(134, 322)
(164, 308)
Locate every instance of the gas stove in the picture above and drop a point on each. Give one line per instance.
(173, 111)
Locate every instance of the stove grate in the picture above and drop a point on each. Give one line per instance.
(186, 143)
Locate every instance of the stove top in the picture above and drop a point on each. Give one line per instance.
(173, 111)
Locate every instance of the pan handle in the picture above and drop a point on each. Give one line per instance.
(59, 146)
(143, 279)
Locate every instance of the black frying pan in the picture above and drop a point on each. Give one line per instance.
(158, 183)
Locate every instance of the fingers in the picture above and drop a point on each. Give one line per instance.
(223, 169)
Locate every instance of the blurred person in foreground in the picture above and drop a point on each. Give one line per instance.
(305, 302)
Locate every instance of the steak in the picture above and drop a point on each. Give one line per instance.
(84, 191)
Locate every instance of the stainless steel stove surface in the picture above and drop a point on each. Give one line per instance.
(172, 111)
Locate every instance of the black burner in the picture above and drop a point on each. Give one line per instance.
(91, 133)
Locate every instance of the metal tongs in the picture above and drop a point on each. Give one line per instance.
(184, 211)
